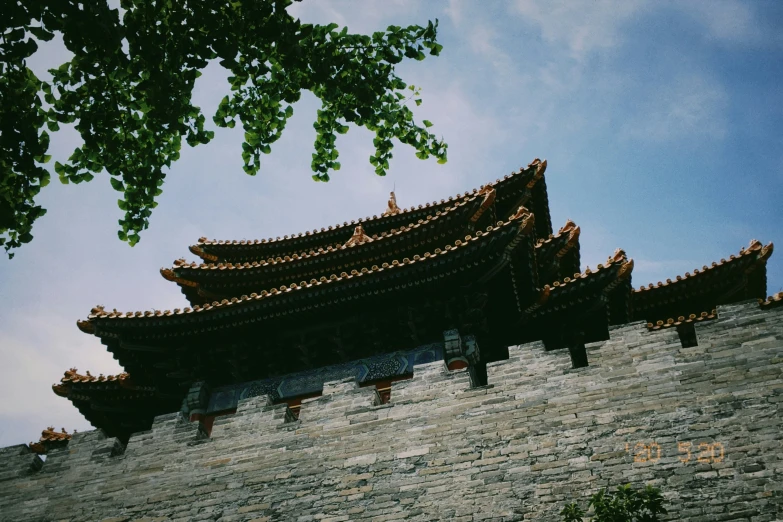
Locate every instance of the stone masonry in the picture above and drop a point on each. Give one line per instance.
(702, 423)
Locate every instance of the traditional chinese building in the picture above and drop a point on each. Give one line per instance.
(458, 280)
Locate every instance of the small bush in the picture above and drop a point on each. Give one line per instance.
(624, 505)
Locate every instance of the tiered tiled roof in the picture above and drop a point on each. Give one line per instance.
(524, 187)
(205, 282)
(282, 300)
(485, 263)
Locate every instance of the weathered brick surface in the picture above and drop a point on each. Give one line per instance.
(538, 436)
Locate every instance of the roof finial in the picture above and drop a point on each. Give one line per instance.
(392, 208)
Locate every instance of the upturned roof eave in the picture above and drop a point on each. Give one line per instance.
(213, 250)
(748, 260)
(191, 274)
(102, 323)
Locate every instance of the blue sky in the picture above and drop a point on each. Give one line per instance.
(662, 123)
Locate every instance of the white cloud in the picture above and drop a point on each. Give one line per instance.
(582, 27)
(585, 27)
(35, 353)
(454, 11)
(692, 107)
(730, 21)
(374, 16)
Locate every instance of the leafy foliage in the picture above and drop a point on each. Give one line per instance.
(625, 505)
(128, 89)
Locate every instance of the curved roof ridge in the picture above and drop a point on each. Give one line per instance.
(182, 264)
(539, 165)
(571, 230)
(625, 267)
(755, 248)
(692, 318)
(72, 376)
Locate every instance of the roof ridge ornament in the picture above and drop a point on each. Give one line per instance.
(540, 166)
(520, 213)
(85, 326)
(625, 269)
(617, 257)
(358, 237)
(391, 207)
(50, 435)
(568, 227)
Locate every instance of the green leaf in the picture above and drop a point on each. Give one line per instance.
(41, 33)
(427, 123)
(134, 117)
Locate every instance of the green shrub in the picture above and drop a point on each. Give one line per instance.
(624, 505)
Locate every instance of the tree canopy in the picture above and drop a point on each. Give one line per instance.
(128, 91)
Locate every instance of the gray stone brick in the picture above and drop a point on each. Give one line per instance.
(541, 434)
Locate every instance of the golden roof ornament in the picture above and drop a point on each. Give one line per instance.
(568, 227)
(50, 435)
(520, 213)
(358, 236)
(619, 255)
(391, 208)
(625, 269)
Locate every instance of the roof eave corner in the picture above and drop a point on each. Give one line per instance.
(87, 327)
(60, 390)
(196, 250)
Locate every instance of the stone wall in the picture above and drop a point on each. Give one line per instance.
(703, 423)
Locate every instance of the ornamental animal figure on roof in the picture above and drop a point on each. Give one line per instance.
(392, 208)
(358, 237)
